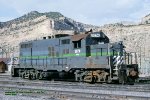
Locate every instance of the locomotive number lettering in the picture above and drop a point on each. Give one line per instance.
(77, 51)
(95, 35)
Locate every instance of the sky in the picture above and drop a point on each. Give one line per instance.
(95, 12)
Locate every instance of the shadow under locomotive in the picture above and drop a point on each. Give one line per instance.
(88, 57)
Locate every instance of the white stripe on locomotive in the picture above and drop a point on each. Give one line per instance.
(117, 60)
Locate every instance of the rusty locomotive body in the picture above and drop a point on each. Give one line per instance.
(86, 57)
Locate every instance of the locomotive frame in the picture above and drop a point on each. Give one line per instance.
(88, 57)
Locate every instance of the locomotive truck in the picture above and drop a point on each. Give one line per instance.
(88, 57)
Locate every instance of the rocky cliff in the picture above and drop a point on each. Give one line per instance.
(35, 25)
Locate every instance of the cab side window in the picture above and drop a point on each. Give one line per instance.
(77, 44)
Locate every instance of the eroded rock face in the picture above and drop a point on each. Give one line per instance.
(136, 39)
(35, 26)
(134, 36)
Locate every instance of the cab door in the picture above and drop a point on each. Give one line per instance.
(88, 51)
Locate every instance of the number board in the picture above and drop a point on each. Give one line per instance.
(95, 35)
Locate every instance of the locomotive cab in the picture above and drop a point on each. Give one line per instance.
(96, 49)
(104, 61)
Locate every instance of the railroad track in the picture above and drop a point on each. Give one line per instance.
(76, 92)
(19, 81)
(4, 76)
(81, 91)
(82, 85)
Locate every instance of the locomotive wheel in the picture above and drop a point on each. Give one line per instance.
(37, 75)
(93, 80)
(109, 80)
(31, 77)
(40, 76)
(90, 79)
(130, 81)
(23, 75)
(62, 75)
(123, 77)
(122, 80)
